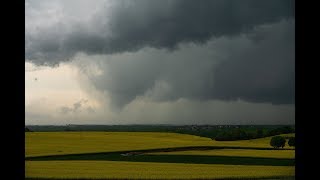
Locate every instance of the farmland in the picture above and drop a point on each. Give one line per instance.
(161, 156)
(51, 143)
(138, 170)
(237, 152)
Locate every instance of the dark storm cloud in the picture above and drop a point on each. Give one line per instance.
(255, 67)
(133, 24)
(265, 73)
(166, 23)
(167, 50)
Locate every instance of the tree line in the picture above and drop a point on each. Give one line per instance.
(243, 134)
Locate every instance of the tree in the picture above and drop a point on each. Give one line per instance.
(281, 130)
(224, 136)
(260, 133)
(278, 141)
(27, 129)
(251, 135)
(291, 141)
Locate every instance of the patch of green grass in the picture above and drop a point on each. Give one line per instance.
(191, 159)
(287, 154)
(143, 170)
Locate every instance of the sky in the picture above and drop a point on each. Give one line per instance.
(159, 62)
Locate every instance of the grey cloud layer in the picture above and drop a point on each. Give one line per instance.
(167, 50)
(264, 72)
(255, 67)
(130, 25)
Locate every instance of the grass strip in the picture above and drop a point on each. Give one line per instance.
(188, 159)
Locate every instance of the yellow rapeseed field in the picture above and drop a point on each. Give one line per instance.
(52, 143)
(142, 170)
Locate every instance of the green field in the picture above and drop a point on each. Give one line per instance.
(98, 155)
(289, 154)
